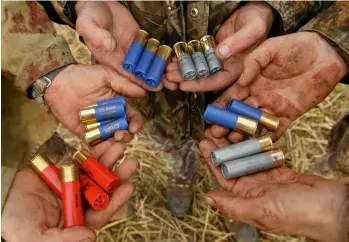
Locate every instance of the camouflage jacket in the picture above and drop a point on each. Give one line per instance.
(333, 25)
(32, 49)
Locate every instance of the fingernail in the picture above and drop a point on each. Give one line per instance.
(108, 44)
(119, 136)
(209, 201)
(224, 50)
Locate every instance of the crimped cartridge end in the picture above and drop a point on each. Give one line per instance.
(246, 125)
(269, 121)
(40, 162)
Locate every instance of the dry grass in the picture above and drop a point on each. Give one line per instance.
(303, 143)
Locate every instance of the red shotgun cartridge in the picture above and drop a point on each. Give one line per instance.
(72, 206)
(95, 170)
(94, 195)
(48, 172)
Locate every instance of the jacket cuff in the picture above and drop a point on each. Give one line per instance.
(333, 26)
(291, 13)
(7, 175)
(52, 54)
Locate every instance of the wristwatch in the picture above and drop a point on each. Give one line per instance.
(38, 88)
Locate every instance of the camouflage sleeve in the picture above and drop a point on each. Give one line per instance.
(31, 46)
(294, 13)
(7, 175)
(333, 25)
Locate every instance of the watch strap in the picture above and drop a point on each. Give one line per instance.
(38, 88)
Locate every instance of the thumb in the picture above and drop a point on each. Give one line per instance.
(256, 61)
(237, 42)
(73, 234)
(237, 208)
(91, 32)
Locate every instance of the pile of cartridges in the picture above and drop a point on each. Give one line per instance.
(197, 59)
(250, 156)
(87, 176)
(103, 119)
(147, 59)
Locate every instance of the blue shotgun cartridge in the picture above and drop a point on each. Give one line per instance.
(186, 64)
(251, 164)
(106, 131)
(267, 120)
(147, 58)
(241, 149)
(102, 113)
(230, 120)
(119, 99)
(134, 53)
(91, 126)
(158, 66)
(195, 50)
(209, 46)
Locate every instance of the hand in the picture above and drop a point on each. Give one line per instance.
(285, 76)
(31, 206)
(108, 29)
(78, 86)
(247, 27)
(282, 201)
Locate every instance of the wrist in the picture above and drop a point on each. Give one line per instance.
(264, 8)
(334, 222)
(52, 92)
(38, 89)
(79, 5)
(343, 54)
(341, 58)
(265, 11)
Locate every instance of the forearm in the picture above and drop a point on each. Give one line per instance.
(32, 48)
(333, 226)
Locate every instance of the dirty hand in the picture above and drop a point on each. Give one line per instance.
(108, 29)
(282, 201)
(285, 76)
(247, 27)
(78, 86)
(33, 213)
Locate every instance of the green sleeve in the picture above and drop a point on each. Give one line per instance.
(293, 13)
(333, 25)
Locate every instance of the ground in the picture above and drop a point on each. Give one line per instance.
(149, 218)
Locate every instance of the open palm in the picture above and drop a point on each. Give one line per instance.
(282, 201)
(78, 86)
(285, 76)
(32, 205)
(247, 27)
